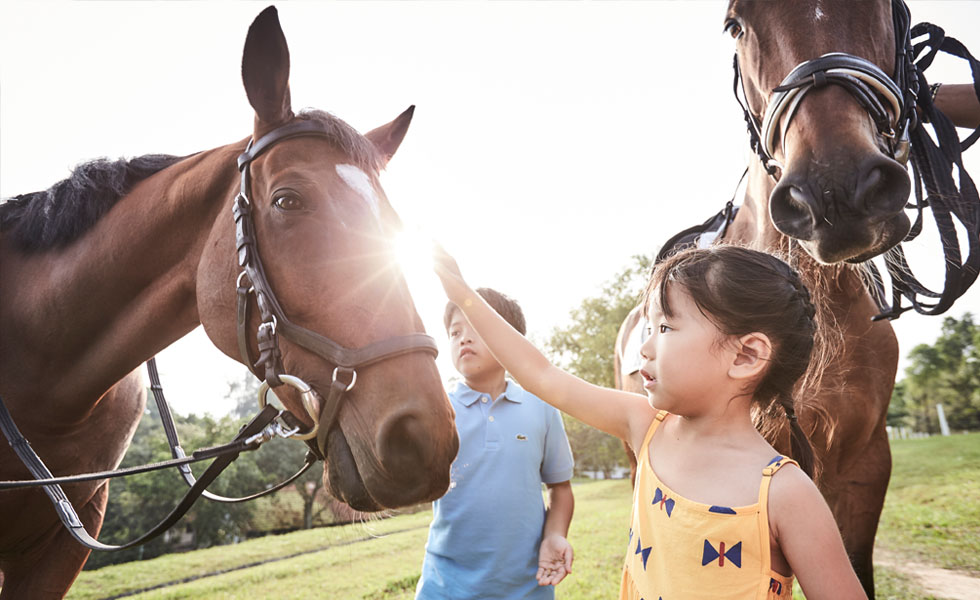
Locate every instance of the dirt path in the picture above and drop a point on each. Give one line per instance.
(941, 583)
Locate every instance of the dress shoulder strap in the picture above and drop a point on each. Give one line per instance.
(649, 436)
(770, 469)
(774, 465)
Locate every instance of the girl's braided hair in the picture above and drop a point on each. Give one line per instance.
(745, 291)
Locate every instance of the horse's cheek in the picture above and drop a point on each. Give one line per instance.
(215, 290)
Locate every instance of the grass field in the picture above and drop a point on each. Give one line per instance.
(932, 515)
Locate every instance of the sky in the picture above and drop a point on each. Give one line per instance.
(551, 141)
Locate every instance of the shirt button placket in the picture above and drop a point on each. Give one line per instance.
(493, 439)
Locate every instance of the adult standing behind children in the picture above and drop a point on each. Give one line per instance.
(492, 535)
(717, 513)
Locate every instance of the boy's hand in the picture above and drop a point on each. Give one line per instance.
(448, 272)
(554, 560)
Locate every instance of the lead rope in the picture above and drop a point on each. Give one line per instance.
(261, 428)
(248, 438)
(177, 452)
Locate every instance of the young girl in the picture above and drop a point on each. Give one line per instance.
(717, 513)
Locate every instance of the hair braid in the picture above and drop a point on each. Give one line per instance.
(800, 443)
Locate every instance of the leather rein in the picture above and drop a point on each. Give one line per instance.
(891, 105)
(269, 422)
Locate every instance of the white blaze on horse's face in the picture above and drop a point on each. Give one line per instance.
(360, 182)
(818, 14)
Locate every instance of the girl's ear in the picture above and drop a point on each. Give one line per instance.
(752, 354)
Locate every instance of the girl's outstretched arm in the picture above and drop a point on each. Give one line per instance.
(808, 537)
(622, 414)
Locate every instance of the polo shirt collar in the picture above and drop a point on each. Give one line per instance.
(467, 395)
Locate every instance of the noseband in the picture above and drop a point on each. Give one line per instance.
(869, 85)
(252, 280)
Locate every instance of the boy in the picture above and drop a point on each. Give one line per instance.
(491, 535)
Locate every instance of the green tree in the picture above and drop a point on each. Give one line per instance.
(898, 414)
(946, 372)
(585, 348)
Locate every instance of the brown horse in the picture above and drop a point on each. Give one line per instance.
(835, 196)
(112, 265)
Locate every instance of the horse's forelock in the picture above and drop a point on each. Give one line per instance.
(357, 147)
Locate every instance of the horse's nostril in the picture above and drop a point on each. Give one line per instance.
(793, 210)
(882, 189)
(403, 446)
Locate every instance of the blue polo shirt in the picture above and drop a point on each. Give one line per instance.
(486, 530)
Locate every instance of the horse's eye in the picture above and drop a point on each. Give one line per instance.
(733, 29)
(289, 202)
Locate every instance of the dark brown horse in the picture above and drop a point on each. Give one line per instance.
(109, 267)
(834, 195)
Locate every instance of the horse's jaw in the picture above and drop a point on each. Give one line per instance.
(358, 479)
(342, 477)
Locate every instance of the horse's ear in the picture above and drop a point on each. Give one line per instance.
(388, 137)
(265, 70)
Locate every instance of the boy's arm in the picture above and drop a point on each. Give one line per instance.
(555, 556)
(960, 103)
(622, 414)
(808, 537)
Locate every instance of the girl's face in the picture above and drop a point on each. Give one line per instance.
(685, 358)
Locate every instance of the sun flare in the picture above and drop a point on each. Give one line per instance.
(413, 251)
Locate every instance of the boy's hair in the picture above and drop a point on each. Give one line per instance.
(506, 307)
(743, 291)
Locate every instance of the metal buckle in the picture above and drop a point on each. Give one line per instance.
(266, 325)
(309, 403)
(273, 429)
(902, 147)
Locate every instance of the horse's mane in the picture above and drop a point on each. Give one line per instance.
(53, 218)
(825, 373)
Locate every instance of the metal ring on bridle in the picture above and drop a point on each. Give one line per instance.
(238, 282)
(353, 380)
(309, 402)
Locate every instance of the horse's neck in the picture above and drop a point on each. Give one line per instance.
(752, 226)
(123, 291)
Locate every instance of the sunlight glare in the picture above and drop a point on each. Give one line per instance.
(413, 251)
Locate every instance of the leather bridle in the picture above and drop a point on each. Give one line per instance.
(273, 322)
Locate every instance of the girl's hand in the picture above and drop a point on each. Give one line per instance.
(448, 272)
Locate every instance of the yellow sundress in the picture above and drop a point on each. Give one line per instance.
(684, 550)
